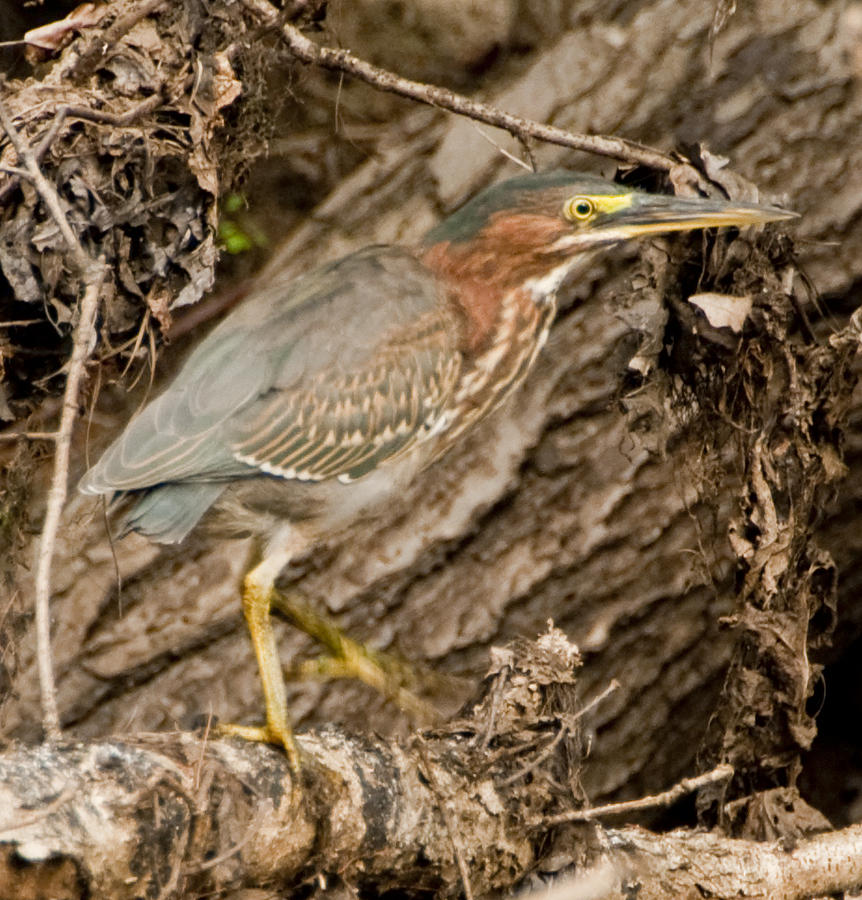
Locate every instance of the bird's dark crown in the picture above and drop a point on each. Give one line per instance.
(539, 193)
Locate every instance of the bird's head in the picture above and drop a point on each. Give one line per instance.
(535, 225)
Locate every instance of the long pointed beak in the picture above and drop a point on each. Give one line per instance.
(656, 214)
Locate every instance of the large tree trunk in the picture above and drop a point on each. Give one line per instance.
(581, 501)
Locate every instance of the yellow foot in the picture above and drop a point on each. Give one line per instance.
(389, 677)
(347, 658)
(263, 734)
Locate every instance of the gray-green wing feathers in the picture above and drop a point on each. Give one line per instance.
(326, 377)
(344, 423)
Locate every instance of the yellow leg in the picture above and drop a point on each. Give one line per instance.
(257, 596)
(348, 659)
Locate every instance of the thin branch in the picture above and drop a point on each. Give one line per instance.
(81, 342)
(29, 436)
(599, 698)
(307, 51)
(222, 857)
(664, 799)
(47, 192)
(529, 167)
(92, 274)
(540, 757)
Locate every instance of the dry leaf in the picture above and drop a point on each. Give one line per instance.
(52, 37)
(724, 310)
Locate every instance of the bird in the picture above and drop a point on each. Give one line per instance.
(320, 398)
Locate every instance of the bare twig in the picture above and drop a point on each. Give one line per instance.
(530, 167)
(83, 263)
(599, 698)
(197, 868)
(307, 51)
(29, 436)
(539, 758)
(664, 799)
(57, 497)
(92, 274)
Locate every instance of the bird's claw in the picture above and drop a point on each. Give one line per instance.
(264, 734)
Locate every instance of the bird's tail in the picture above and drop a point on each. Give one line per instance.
(168, 512)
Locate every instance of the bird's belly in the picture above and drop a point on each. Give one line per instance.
(258, 506)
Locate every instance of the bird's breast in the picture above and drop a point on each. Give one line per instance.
(491, 374)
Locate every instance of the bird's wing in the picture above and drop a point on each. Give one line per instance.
(326, 376)
(178, 437)
(344, 423)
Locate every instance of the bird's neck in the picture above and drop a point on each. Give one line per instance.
(498, 270)
(507, 305)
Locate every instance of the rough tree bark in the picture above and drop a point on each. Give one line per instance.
(582, 501)
(470, 808)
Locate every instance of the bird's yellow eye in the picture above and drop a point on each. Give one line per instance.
(579, 209)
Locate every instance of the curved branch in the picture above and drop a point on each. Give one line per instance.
(93, 273)
(310, 53)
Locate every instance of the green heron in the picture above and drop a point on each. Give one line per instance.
(318, 399)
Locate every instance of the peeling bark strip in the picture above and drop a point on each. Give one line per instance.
(158, 815)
